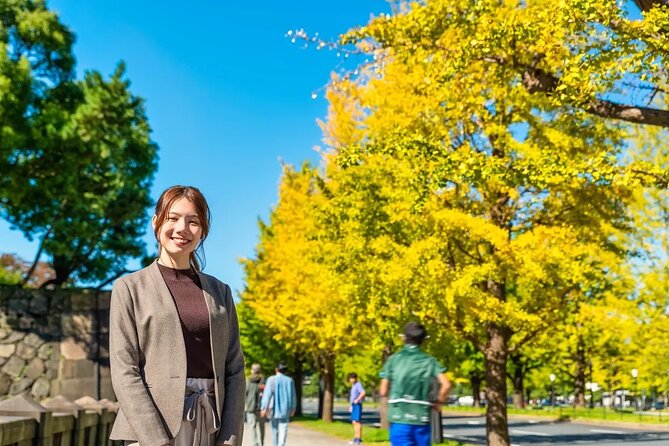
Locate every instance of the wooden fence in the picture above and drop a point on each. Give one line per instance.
(56, 422)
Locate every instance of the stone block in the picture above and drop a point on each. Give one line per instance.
(79, 325)
(13, 337)
(25, 351)
(35, 369)
(105, 372)
(14, 366)
(71, 349)
(78, 368)
(56, 306)
(21, 385)
(5, 383)
(106, 389)
(40, 389)
(33, 340)
(45, 351)
(55, 387)
(104, 299)
(7, 350)
(72, 389)
(39, 305)
(82, 301)
(27, 322)
(18, 304)
(51, 374)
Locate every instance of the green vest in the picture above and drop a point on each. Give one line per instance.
(411, 373)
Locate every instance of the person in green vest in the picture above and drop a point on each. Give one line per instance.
(407, 379)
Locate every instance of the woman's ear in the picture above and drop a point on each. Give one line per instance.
(153, 222)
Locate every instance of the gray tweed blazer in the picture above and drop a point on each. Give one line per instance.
(148, 359)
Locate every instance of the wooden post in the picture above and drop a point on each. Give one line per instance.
(95, 414)
(18, 431)
(24, 405)
(61, 405)
(107, 420)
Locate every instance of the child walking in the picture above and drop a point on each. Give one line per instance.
(356, 399)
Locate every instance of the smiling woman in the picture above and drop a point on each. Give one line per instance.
(174, 328)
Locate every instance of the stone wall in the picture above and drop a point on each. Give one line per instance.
(54, 342)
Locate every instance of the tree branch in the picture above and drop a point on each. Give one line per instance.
(111, 279)
(647, 5)
(514, 348)
(537, 80)
(629, 113)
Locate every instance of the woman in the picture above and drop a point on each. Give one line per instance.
(176, 362)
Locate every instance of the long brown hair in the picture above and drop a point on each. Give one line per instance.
(167, 199)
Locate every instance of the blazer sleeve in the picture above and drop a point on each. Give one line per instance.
(232, 416)
(133, 398)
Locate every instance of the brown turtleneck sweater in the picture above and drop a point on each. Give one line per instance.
(184, 284)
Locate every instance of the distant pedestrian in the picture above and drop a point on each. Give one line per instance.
(407, 378)
(278, 403)
(254, 389)
(356, 398)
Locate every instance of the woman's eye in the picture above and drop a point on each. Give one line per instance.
(171, 219)
(196, 223)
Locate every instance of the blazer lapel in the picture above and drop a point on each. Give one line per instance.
(165, 299)
(163, 292)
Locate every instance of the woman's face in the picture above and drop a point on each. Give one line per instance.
(180, 233)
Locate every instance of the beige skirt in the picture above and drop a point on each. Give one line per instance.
(200, 421)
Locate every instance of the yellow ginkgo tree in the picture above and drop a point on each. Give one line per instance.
(506, 197)
(290, 285)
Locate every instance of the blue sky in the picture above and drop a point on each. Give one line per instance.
(227, 95)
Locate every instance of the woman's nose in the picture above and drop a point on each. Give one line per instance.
(181, 225)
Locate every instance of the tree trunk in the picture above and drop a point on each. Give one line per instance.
(299, 378)
(476, 379)
(518, 377)
(321, 394)
(497, 427)
(63, 271)
(328, 372)
(581, 372)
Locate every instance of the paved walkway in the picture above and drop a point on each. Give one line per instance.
(297, 436)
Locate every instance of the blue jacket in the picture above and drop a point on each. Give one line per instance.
(283, 389)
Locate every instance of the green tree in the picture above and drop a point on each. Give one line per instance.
(76, 159)
(36, 56)
(82, 185)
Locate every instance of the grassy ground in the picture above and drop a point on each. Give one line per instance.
(343, 430)
(577, 413)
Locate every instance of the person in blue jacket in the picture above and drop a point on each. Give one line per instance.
(278, 403)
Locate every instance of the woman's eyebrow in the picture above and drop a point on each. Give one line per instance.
(187, 215)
